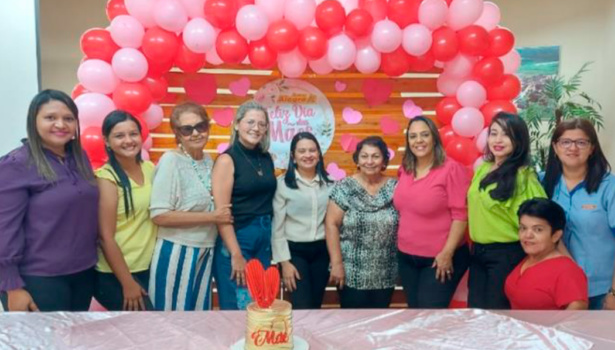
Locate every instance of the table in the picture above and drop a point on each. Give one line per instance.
(323, 329)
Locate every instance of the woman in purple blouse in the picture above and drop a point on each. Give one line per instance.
(48, 213)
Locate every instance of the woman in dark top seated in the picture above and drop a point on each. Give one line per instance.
(244, 177)
(546, 279)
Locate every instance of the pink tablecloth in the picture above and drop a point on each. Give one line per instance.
(323, 329)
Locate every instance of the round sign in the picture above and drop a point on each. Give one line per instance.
(295, 106)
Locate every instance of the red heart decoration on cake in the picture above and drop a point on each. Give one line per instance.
(263, 285)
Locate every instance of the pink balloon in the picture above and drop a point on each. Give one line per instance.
(129, 65)
(478, 162)
(126, 31)
(212, 57)
(432, 13)
(97, 76)
(93, 108)
(170, 15)
(471, 94)
(490, 17)
(252, 22)
(448, 84)
(194, 8)
(481, 140)
(153, 116)
(460, 66)
(416, 39)
(368, 59)
(141, 10)
(386, 36)
(199, 35)
(321, 66)
(274, 9)
(148, 143)
(468, 122)
(341, 52)
(292, 64)
(300, 12)
(511, 61)
(462, 13)
(144, 155)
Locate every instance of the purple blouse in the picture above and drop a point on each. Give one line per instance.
(46, 229)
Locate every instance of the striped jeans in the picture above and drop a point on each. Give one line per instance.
(180, 277)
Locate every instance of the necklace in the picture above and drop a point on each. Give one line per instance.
(259, 171)
(205, 180)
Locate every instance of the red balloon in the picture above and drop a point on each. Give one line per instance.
(445, 45)
(462, 150)
(157, 86)
(507, 88)
(501, 41)
(282, 36)
(144, 129)
(97, 43)
(446, 134)
(134, 98)
(261, 55)
(242, 3)
(488, 71)
(221, 13)
(312, 43)
(78, 90)
(358, 23)
(93, 143)
(231, 46)
(422, 63)
(473, 40)
(395, 63)
(189, 61)
(158, 69)
(446, 108)
(115, 8)
(330, 16)
(376, 8)
(159, 45)
(491, 108)
(404, 12)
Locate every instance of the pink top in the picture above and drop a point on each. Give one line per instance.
(428, 206)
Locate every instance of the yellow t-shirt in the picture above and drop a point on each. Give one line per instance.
(135, 234)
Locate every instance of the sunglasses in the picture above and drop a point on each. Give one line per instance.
(187, 130)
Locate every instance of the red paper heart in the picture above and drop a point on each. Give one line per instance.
(223, 117)
(202, 89)
(240, 87)
(377, 91)
(349, 142)
(389, 126)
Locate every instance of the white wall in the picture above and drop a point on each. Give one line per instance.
(18, 70)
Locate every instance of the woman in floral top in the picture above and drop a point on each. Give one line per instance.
(361, 226)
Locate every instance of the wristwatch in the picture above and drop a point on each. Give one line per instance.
(611, 292)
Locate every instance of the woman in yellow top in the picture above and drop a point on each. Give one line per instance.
(127, 235)
(500, 185)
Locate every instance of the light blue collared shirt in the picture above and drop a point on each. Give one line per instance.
(590, 230)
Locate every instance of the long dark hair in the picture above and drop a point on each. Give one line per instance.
(409, 161)
(35, 143)
(290, 178)
(597, 164)
(111, 120)
(506, 174)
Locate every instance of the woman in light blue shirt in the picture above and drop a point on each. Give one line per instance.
(578, 178)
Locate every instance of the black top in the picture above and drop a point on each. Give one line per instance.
(252, 194)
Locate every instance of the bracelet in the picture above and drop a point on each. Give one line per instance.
(611, 292)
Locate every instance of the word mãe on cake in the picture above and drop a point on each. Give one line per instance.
(262, 337)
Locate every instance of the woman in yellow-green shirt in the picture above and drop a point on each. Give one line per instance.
(500, 185)
(127, 235)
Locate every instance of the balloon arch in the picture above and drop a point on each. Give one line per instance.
(125, 64)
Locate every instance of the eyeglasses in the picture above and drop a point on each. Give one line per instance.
(261, 125)
(187, 130)
(567, 143)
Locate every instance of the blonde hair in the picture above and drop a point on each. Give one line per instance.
(241, 113)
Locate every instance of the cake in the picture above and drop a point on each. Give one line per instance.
(269, 328)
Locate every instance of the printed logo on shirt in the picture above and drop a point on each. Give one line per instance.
(589, 207)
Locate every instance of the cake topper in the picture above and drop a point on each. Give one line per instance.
(263, 285)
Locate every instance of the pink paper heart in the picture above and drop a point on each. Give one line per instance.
(202, 89)
(391, 154)
(223, 117)
(377, 91)
(411, 110)
(351, 116)
(222, 147)
(340, 86)
(335, 172)
(389, 126)
(349, 142)
(240, 87)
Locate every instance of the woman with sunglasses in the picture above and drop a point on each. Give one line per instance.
(578, 178)
(244, 177)
(182, 206)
